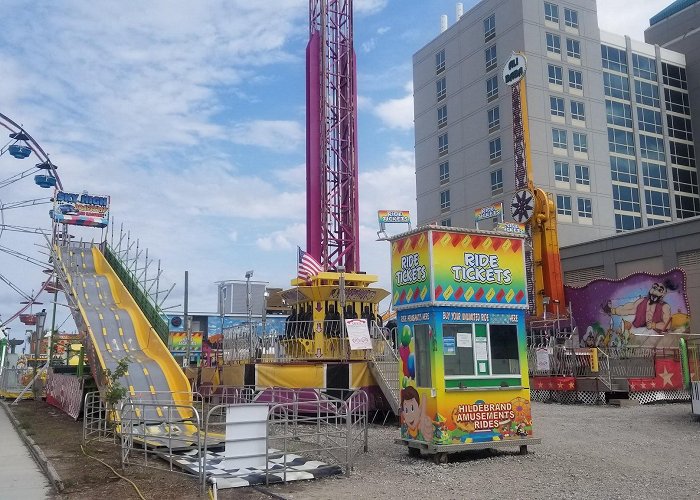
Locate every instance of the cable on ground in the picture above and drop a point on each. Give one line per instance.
(138, 492)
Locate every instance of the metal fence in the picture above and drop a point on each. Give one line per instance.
(302, 340)
(14, 380)
(619, 362)
(96, 421)
(385, 368)
(305, 422)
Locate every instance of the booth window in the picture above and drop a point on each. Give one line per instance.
(422, 339)
(504, 350)
(458, 345)
(480, 355)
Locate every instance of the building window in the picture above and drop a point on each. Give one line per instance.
(674, 76)
(575, 79)
(620, 141)
(578, 111)
(442, 116)
(614, 59)
(679, 127)
(626, 198)
(564, 205)
(441, 85)
(623, 170)
(583, 177)
(495, 149)
(551, 12)
(627, 222)
(561, 171)
(685, 181)
(644, 67)
(490, 28)
(570, 18)
(649, 120)
(618, 113)
(556, 106)
(682, 154)
(646, 93)
(616, 86)
(444, 172)
(584, 208)
(494, 117)
(445, 200)
(440, 62)
(496, 182)
(657, 203)
(687, 206)
(443, 144)
(573, 48)
(553, 43)
(651, 148)
(554, 74)
(446, 222)
(558, 138)
(490, 56)
(492, 88)
(580, 142)
(654, 175)
(677, 101)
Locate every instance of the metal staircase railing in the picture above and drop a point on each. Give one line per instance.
(384, 365)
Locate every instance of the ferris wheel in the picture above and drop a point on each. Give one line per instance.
(28, 182)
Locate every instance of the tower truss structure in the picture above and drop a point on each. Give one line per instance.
(332, 219)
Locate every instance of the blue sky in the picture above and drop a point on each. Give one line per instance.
(190, 115)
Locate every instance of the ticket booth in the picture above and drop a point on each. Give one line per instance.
(461, 299)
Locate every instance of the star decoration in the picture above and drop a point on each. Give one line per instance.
(667, 377)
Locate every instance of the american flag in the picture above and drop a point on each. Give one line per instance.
(307, 265)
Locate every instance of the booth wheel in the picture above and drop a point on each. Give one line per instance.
(440, 458)
(414, 452)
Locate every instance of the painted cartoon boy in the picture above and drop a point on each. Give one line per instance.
(413, 415)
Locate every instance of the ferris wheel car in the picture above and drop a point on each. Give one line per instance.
(68, 209)
(45, 181)
(19, 151)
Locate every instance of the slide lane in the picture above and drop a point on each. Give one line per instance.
(118, 329)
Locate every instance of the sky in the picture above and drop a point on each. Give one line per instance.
(191, 116)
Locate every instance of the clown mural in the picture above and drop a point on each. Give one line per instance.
(637, 310)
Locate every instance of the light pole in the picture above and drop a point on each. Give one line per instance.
(5, 347)
(38, 334)
(248, 275)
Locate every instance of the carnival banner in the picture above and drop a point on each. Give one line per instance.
(642, 306)
(478, 269)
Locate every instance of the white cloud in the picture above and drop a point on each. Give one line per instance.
(369, 45)
(273, 134)
(369, 6)
(286, 238)
(397, 113)
(618, 17)
(383, 30)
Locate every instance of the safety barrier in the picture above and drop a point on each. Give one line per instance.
(385, 368)
(323, 428)
(14, 380)
(299, 342)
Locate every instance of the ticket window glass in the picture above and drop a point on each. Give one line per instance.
(422, 345)
(480, 350)
(504, 350)
(458, 345)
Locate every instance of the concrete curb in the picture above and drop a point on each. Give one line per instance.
(36, 452)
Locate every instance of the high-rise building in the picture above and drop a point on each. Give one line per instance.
(609, 120)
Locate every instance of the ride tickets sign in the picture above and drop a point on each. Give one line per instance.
(410, 270)
(394, 216)
(478, 269)
(81, 209)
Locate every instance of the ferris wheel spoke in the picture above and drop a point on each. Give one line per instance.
(24, 229)
(22, 256)
(9, 283)
(17, 177)
(25, 203)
